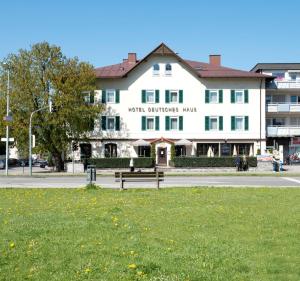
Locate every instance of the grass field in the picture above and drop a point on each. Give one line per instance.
(174, 234)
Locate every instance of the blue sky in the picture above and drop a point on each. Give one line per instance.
(103, 32)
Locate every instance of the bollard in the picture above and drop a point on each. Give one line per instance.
(91, 173)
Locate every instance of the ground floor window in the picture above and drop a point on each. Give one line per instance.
(180, 150)
(110, 150)
(202, 149)
(85, 150)
(144, 151)
(240, 148)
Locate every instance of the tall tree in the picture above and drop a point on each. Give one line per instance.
(38, 75)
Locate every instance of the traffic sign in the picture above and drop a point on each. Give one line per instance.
(9, 139)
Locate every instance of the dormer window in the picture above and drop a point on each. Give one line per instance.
(168, 69)
(156, 69)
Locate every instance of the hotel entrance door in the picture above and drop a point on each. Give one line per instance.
(162, 156)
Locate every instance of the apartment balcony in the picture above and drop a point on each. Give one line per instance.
(283, 131)
(283, 107)
(283, 84)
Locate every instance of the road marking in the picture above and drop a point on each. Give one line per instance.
(293, 180)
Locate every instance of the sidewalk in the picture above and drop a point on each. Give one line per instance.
(290, 170)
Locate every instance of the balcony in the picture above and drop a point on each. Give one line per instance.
(283, 107)
(283, 84)
(283, 131)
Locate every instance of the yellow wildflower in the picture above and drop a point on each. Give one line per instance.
(12, 245)
(87, 270)
(132, 266)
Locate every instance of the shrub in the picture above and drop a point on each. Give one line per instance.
(140, 162)
(153, 152)
(210, 162)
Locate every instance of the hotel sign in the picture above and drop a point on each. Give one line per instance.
(166, 109)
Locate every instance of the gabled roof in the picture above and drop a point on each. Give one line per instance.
(200, 69)
(276, 66)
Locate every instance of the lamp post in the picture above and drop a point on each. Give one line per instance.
(30, 138)
(7, 119)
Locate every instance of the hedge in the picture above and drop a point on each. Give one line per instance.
(140, 162)
(190, 162)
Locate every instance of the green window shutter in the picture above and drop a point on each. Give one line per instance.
(103, 96)
(246, 123)
(220, 96)
(180, 96)
(167, 120)
(232, 123)
(92, 97)
(246, 96)
(117, 96)
(156, 96)
(156, 123)
(220, 123)
(103, 123)
(91, 124)
(180, 123)
(167, 96)
(206, 123)
(117, 124)
(143, 123)
(206, 96)
(143, 96)
(232, 96)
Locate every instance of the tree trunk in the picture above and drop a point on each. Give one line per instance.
(59, 163)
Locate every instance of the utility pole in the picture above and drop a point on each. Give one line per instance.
(7, 119)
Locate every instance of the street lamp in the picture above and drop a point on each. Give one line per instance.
(7, 118)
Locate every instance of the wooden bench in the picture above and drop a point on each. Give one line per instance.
(138, 177)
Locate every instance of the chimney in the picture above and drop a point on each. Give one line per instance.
(132, 57)
(215, 60)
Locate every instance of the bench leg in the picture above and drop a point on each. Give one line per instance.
(121, 185)
(157, 185)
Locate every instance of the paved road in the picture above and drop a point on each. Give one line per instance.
(170, 181)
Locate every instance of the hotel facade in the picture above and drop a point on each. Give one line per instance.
(164, 100)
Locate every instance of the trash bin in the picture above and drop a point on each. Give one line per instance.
(91, 173)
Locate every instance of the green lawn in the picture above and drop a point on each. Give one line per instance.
(172, 234)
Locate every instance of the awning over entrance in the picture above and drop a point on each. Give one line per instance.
(141, 142)
(183, 142)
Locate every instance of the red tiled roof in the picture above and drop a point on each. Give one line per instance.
(203, 70)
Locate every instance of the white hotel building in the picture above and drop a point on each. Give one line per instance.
(164, 99)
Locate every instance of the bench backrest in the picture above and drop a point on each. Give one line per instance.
(139, 174)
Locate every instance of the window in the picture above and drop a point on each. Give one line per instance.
(110, 123)
(279, 75)
(180, 150)
(239, 96)
(150, 123)
(144, 151)
(89, 97)
(294, 76)
(110, 96)
(202, 149)
(110, 150)
(168, 69)
(173, 123)
(213, 96)
(156, 69)
(239, 122)
(174, 96)
(150, 97)
(213, 123)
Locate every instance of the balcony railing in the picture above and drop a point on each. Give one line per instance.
(283, 107)
(283, 84)
(283, 131)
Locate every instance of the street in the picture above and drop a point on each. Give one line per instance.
(43, 181)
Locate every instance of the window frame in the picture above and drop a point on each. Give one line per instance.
(108, 91)
(168, 72)
(170, 124)
(177, 94)
(148, 92)
(210, 123)
(243, 96)
(210, 100)
(155, 72)
(243, 123)
(111, 117)
(148, 118)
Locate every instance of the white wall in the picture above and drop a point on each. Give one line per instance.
(193, 97)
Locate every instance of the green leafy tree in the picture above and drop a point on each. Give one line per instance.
(173, 153)
(153, 152)
(38, 75)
